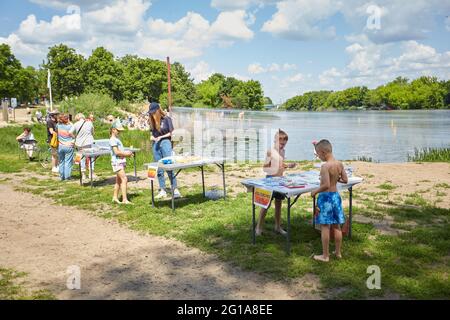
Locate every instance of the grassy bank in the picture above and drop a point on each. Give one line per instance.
(430, 155)
(414, 264)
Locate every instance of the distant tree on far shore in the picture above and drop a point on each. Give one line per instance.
(401, 93)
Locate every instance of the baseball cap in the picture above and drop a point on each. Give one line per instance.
(117, 125)
(152, 108)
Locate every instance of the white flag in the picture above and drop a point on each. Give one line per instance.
(49, 83)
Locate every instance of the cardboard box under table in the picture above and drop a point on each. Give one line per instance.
(291, 187)
(101, 148)
(178, 166)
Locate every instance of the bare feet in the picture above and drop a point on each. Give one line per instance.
(280, 231)
(116, 200)
(127, 202)
(339, 256)
(321, 258)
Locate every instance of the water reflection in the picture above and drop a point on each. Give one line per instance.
(383, 136)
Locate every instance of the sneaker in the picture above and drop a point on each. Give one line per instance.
(176, 194)
(161, 194)
(83, 176)
(55, 170)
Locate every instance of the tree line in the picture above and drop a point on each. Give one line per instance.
(129, 78)
(422, 93)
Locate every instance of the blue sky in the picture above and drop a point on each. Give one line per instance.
(291, 46)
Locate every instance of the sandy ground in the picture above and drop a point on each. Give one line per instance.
(44, 239)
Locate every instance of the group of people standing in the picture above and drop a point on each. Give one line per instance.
(71, 136)
(78, 136)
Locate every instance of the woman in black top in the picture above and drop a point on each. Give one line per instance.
(161, 127)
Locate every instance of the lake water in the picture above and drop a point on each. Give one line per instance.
(385, 136)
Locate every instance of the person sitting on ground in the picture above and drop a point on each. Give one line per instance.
(274, 166)
(329, 212)
(119, 162)
(27, 141)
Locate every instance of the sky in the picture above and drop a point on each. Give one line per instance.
(290, 46)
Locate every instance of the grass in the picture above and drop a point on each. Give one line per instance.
(430, 155)
(414, 264)
(12, 289)
(387, 186)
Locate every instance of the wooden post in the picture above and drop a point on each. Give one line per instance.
(169, 86)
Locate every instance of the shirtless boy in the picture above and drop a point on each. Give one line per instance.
(329, 213)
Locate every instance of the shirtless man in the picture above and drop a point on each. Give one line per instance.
(329, 202)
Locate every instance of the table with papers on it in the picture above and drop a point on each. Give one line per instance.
(101, 148)
(177, 163)
(291, 187)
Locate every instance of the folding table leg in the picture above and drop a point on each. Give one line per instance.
(81, 176)
(350, 212)
(253, 217)
(203, 181)
(223, 178)
(153, 194)
(135, 170)
(90, 171)
(314, 212)
(288, 234)
(172, 189)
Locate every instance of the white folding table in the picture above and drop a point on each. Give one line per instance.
(292, 195)
(176, 168)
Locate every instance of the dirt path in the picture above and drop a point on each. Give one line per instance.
(44, 239)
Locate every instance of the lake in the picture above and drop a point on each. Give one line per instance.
(384, 136)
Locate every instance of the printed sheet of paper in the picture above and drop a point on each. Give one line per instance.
(263, 197)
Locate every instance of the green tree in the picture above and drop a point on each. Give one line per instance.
(10, 68)
(208, 93)
(66, 67)
(103, 74)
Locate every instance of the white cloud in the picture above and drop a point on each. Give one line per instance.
(373, 64)
(298, 19)
(257, 68)
(124, 16)
(239, 4)
(121, 26)
(83, 4)
(201, 71)
(400, 20)
(232, 25)
(65, 28)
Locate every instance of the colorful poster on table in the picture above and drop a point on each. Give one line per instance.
(152, 172)
(262, 197)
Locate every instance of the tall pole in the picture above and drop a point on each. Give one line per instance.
(49, 85)
(169, 85)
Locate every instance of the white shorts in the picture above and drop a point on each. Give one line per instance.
(118, 166)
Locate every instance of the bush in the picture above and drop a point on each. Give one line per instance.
(100, 105)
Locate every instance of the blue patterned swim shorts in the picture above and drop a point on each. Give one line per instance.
(330, 205)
